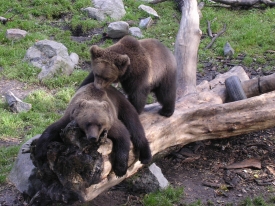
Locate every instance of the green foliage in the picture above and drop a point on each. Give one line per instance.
(257, 201)
(167, 197)
(247, 31)
(7, 157)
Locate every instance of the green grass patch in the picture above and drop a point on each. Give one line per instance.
(248, 32)
(168, 197)
(257, 201)
(7, 157)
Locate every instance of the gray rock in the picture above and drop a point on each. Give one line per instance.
(52, 57)
(147, 1)
(228, 50)
(149, 10)
(145, 23)
(95, 13)
(74, 57)
(15, 104)
(118, 29)
(135, 31)
(156, 171)
(151, 180)
(14, 34)
(113, 8)
(22, 173)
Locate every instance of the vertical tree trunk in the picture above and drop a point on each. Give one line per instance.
(186, 47)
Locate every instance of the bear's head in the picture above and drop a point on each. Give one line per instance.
(107, 66)
(95, 118)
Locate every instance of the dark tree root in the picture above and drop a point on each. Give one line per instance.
(72, 166)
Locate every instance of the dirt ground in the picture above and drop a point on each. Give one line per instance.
(200, 167)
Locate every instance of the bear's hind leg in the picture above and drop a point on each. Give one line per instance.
(121, 147)
(166, 96)
(138, 99)
(129, 117)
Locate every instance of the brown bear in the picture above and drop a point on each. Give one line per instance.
(97, 112)
(141, 66)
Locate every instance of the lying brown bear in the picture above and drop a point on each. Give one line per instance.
(96, 112)
(141, 66)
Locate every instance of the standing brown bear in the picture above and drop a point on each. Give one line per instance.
(141, 66)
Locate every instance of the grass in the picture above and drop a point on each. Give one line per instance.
(248, 31)
(257, 201)
(168, 197)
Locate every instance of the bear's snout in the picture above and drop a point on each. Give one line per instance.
(92, 133)
(92, 138)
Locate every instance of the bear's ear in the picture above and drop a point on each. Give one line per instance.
(96, 52)
(82, 103)
(77, 108)
(105, 105)
(122, 62)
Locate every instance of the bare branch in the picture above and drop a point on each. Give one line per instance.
(209, 31)
(215, 37)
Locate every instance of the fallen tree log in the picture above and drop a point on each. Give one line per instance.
(200, 117)
(249, 3)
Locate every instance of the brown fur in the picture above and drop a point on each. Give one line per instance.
(141, 66)
(96, 112)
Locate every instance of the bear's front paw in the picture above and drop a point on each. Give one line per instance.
(145, 157)
(166, 112)
(39, 153)
(120, 168)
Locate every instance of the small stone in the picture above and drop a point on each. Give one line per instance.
(149, 10)
(118, 29)
(228, 50)
(150, 180)
(95, 13)
(74, 57)
(15, 104)
(146, 23)
(14, 34)
(135, 31)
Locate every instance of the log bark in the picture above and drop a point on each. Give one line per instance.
(259, 85)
